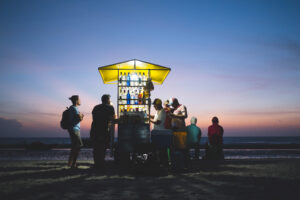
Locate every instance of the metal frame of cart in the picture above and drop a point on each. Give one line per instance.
(110, 75)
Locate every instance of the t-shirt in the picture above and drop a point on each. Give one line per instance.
(179, 122)
(193, 134)
(102, 114)
(161, 116)
(74, 118)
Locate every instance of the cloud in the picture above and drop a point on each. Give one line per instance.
(10, 127)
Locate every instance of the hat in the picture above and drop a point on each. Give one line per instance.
(157, 102)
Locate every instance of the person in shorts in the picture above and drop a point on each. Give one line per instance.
(75, 117)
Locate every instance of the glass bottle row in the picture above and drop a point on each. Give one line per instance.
(132, 79)
(132, 96)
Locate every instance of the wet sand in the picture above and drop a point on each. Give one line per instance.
(229, 179)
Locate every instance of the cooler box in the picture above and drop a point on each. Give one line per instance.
(180, 140)
(162, 138)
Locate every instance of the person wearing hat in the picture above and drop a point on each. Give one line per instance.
(179, 114)
(158, 121)
(159, 118)
(75, 117)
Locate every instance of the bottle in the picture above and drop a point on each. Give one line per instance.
(136, 97)
(128, 97)
(132, 97)
(124, 97)
(124, 79)
(132, 79)
(140, 79)
(144, 97)
(120, 79)
(140, 97)
(136, 79)
(128, 79)
(144, 79)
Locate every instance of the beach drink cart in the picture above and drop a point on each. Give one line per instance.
(134, 80)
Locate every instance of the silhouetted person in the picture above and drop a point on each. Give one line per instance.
(159, 118)
(158, 121)
(178, 115)
(103, 117)
(74, 131)
(214, 149)
(168, 121)
(193, 137)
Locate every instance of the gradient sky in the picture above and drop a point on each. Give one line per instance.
(238, 60)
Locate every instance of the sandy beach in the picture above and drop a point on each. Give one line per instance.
(228, 179)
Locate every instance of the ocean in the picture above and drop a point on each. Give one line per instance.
(227, 140)
(86, 153)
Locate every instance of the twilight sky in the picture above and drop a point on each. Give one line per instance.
(238, 60)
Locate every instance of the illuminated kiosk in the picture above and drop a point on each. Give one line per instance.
(133, 78)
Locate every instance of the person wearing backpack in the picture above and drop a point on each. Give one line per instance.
(75, 117)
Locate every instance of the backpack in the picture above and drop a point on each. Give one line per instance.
(65, 122)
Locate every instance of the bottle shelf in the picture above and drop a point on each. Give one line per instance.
(134, 99)
(134, 81)
(122, 104)
(124, 86)
(135, 86)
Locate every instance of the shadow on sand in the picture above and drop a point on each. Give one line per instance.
(260, 179)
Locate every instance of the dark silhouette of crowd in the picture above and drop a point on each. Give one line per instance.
(169, 134)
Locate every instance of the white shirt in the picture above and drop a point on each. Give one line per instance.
(176, 122)
(161, 116)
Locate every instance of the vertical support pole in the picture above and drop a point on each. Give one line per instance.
(149, 100)
(118, 97)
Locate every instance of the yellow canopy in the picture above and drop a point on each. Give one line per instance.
(109, 73)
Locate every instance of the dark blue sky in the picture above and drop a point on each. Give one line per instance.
(239, 60)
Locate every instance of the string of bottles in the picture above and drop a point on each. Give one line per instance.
(132, 79)
(133, 96)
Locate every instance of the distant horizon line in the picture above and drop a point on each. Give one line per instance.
(117, 137)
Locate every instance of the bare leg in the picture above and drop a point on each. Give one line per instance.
(75, 155)
(71, 157)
